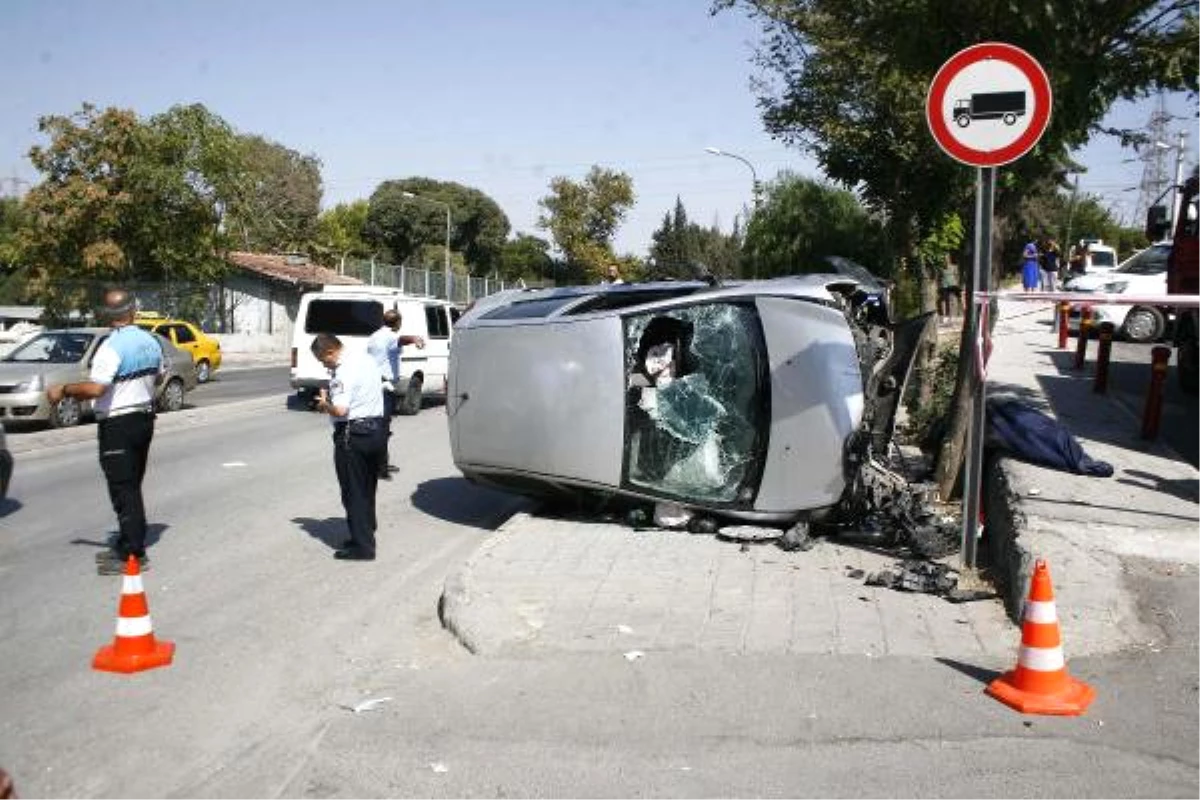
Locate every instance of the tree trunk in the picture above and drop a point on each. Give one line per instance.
(954, 445)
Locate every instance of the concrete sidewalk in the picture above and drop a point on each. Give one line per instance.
(546, 583)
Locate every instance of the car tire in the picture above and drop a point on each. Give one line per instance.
(66, 413)
(409, 403)
(172, 396)
(1144, 325)
(203, 371)
(1186, 364)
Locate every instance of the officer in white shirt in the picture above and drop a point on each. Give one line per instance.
(385, 346)
(125, 371)
(354, 403)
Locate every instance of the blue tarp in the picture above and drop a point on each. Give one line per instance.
(1040, 439)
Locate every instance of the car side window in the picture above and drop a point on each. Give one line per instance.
(183, 334)
(436, 322)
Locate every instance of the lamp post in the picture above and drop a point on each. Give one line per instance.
(412, 196)
(753, 174)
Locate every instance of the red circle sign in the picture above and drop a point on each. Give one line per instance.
(989, 104)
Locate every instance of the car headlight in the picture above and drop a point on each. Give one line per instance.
(1116, 287)
(34, 384)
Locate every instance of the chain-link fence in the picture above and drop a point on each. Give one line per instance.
(431, 282)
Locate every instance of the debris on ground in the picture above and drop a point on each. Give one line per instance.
(926, 577)
(797, 538)
(748, 533)
(368, 705)
(671, 516)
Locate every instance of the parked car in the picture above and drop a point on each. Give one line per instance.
(204, 349)
(1142, 274)
(65, 356)
(761, 400)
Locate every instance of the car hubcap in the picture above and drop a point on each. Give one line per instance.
(1140, 326)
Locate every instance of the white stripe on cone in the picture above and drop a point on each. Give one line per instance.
(1042, 659)
(133, 626)
(1040, 611)
(132, 584)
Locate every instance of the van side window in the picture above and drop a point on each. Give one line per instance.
(436, 322)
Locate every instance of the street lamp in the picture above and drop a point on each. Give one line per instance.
(753, 174)
(412, 196)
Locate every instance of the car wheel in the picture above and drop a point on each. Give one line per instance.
(409, 403)
(203, 371)
(65, 413)
(1186, 364)
(1144, 325)
(172, 396)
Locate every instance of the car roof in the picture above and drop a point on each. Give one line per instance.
(568, 300)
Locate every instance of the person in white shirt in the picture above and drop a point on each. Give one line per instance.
(384, 345)
(354, 404)
(125, 371)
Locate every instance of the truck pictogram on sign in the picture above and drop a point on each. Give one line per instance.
(1005, 106)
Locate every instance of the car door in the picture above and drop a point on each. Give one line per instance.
(182, 337)
(437, 346)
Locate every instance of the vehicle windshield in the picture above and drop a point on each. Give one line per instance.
(344, 317)
(61, 347)
(697, 403)
(1151, 261)
(1103, 259)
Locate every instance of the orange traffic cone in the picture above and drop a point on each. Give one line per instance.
(134, 649)
(1040, 683)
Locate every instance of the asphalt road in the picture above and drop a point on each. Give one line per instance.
(277, 643)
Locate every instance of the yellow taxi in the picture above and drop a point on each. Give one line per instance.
(204, 349)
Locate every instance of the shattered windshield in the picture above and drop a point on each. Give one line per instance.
(697, 405)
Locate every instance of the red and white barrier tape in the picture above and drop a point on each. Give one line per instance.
(1095, 299)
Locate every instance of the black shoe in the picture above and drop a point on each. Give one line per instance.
(353, 554)
(114, 564)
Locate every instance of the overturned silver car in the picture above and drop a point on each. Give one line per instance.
(761, 401)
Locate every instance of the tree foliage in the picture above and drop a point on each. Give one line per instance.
(583, 216)
(127, 200)
(681, 249)
(526, 256)
(277, 200)
(801, 221)
(340, 232)
(406, 215)
(847, 82)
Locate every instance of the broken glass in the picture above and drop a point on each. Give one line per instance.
(697, 410)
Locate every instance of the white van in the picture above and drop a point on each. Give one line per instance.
(353, 313)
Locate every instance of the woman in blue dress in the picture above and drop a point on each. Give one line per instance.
(1030, 269)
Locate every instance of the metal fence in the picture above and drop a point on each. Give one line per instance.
(430, 282)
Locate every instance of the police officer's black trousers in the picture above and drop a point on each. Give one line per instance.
(124, 449)
(389, 409)
(356, 460)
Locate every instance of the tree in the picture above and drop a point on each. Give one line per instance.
(801, 221)
(340, 232)
(680, 248)
(526, 257)
(851, 80)
(277, 200)
(583, 217)
(405, 215)
(125, 200)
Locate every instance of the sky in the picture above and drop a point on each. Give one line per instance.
(499, 96)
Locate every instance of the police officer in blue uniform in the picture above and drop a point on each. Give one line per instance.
(354, 403)
(125, 371)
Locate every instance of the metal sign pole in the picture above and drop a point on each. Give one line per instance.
(985, 190)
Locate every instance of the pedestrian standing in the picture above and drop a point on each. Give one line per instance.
(125, 371)
(1050, 258)
(354, 403)
(385, 346)
(949, 289)
(1030, 269)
